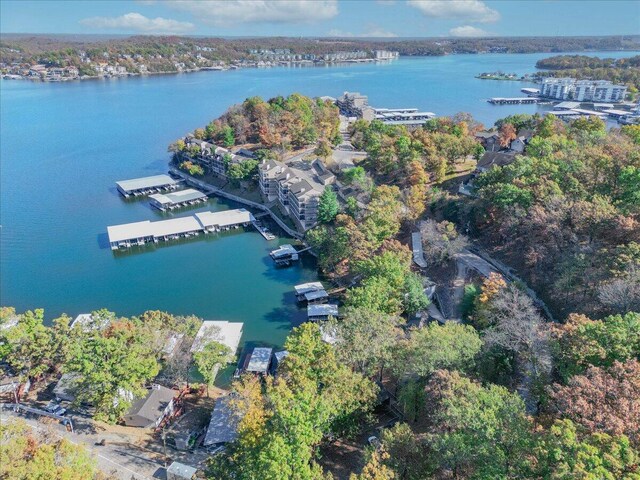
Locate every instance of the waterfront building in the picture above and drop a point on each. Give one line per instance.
(582, 90)
(385, 55)
(259, 360)
(139, 233)
(150, 410)
(297, 189)
(353, 104)
(495, 159)
(322, 312)
(181, 198)
(147, 185)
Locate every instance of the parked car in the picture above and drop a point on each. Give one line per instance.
(374, 442)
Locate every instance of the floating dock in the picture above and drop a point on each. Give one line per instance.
(513, 101)
(312, 292)
(263, 230)
(139, 233)
(147, 185)
(182, 198)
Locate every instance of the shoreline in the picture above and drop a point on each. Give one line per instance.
(303, 63)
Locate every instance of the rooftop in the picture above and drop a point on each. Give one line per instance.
(146, 182)
(259, 361)
(177, 197)
(224, 218)
(152, 406)
(322, 310)
(181, 470)
(223, 426)
(308, 287)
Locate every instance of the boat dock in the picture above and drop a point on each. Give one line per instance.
(263, 230)
(284, 255)
(147, 185)
(312, 292)
(181, 198)
(513, 101)
(140, 233)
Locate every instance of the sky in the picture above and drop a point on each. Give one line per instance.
(323, 18)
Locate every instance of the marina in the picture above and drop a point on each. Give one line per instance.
(513, 100)
(147, 185)
(179, 199)
(140, 233)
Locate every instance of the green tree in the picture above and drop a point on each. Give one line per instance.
(27, 454)
(581, 342)
(476, 431)
(450, 346)
(32, 350)
(365, 339)
(113, 366)
(565, 452)
(323, 149)
(209, 359)
(228, 136)
(328, 206)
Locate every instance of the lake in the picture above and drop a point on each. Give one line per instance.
(63, 145)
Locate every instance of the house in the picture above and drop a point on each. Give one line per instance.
(518, 144)
(223, 426)
(180, 471)
(495, 159)
(150, 410)
(489, 140)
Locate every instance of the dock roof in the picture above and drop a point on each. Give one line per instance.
(146, 182)
(177, 197)
(322, 310)
(259, 360)
(315, 295)
(223, 426)
(176, 226)
(308, 287)
(283, 251)
(227, 333)
(128, 231)
(224, 218)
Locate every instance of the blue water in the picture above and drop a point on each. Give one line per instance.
(62, 147)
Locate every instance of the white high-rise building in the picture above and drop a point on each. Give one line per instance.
(582, 90)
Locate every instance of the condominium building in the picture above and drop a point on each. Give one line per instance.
(296, 189)
(353, 104)
(582, 90)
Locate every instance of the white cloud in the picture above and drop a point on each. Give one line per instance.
(139, 23)
(226, 13)
(472, 10)
(372, 31)
(467, 31)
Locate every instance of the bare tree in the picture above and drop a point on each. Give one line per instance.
(441, 241)
(622, 295)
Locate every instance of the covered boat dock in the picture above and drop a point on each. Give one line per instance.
(140, 233)
(182, 198)
(147, 185)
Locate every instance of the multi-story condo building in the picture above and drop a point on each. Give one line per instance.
(582, 90)
(357, 105)
(297, 190)
(212, 158)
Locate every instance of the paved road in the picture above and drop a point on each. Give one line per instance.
(120, 459)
